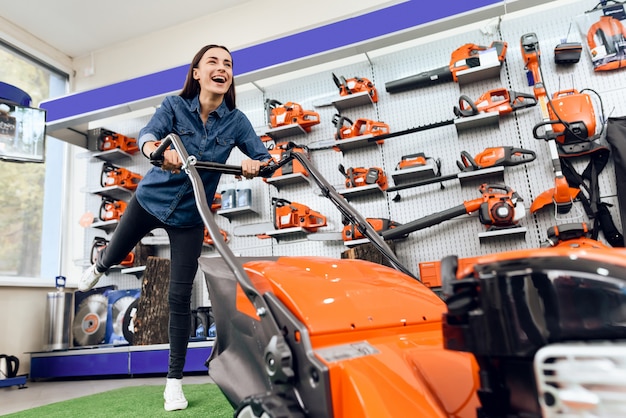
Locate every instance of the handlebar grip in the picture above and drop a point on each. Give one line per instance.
(156, 157)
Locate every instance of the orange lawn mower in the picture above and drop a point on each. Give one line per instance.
(324, 337)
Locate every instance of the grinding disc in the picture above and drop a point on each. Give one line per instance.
(90, 320)
(118, 310)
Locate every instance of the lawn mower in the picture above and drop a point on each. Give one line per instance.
(325, 337)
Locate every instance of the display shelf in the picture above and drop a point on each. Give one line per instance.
(234, 212)
(156, 240)
(412, 174)
(353, 100)
(355, 143)
(136, 271)
(114, 360)
(287, 179)
(517, 232)
(112, 155)
(286, 131)
(106, 226)
(371, 190)
(479, 73)
(477, 121)
(471, 177)
(292, 233)
(113, 192)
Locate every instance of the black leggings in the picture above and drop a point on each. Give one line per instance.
(185, 249)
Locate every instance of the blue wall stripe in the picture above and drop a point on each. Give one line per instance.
(350, 31)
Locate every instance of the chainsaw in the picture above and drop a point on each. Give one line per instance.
(501, 100)
(285, 215)
(216, 204)
(108, 140)
(355, 85)
(290, 113)
(351, 232)
(111, 175)
(98, 245)
(361, 127)
(111, 209)
(208, 240)
(498, 208)
(607, 43)
(360, 176)
(290, 167)
(463, 58)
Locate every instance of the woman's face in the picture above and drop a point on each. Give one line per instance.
(214, 71)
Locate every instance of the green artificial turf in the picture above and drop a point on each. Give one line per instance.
(205, 400)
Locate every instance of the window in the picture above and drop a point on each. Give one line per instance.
(22, 198)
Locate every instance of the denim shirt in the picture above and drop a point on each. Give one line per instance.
(169, 197)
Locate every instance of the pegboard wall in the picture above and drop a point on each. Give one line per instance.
(404, 110)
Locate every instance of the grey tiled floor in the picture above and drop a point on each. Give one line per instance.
(39, 393)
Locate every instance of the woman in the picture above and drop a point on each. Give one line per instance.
(206, 119)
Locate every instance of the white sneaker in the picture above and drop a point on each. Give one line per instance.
(173, 395)
(89, 278)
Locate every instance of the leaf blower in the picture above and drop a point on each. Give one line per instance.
(279, 114)
(463, 58)
(499, 207)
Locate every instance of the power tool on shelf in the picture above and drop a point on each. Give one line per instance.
(500, 100)
(463, 58)
(208, 240)
(607, 42)
(288, 214)
(361, 176)
(361, 127)
(112, 175)
(355, 85)
(279, 114)
(108, 140)
(291, 167)
(98, 245)
(111, 209)
(499, 207)
(350, 232)
(562, 195)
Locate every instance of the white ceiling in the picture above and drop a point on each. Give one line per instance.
(79, 27)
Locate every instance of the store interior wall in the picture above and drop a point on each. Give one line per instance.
(129, 60)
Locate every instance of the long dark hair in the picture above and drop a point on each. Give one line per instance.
(192, 87)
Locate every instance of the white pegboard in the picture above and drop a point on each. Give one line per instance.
(315, 88)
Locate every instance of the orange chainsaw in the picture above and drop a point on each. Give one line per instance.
(98, 245)
(463, 58)
(108, 140)
(208, 240)
(360, 176)
(350, 232)
(290, 113)
(292, 166)
(607, 43)
(501, 100)
(291, 214)
(112, 175)
(111, 209)
(361, 127)
(355, 85)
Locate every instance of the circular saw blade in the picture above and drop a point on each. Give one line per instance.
(118, 310)
(90, 320)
